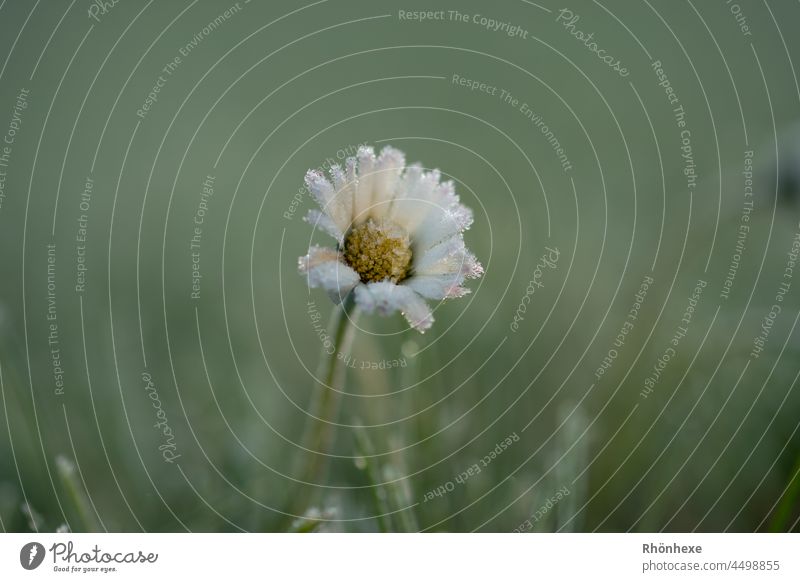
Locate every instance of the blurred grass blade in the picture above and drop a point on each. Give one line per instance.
(788, 503)
(368, 464)
(400, 499)
(34, 518)
(77, 495)
(312, 522)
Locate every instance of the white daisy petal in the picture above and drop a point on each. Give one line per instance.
(444, 194)
(323, 268)
(417, 313)
(413, 202)
(440, 272)
(325, 196)
(322, 221)
(444, 257)
(385, 298)
(377, 297)
(388, 167)
(471, 268)
(344, 185)
(351, 175)
(449, 257)
(412, 178)
(363, 196)
(439, 225)
(321, 190)
(437, 286)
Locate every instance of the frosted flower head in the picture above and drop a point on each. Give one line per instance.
(399, 236)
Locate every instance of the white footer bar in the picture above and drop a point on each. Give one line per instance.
(390, 557)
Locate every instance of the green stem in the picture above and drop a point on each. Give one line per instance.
(320, 430)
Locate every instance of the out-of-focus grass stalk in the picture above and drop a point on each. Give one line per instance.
(573, 452)
(400, 496)
(306, 525)
(77, 495)
(788, 502)
(33, 517)
(401, 491)
(367, 463)
(320, 430)
(410, 376)
(311, 522)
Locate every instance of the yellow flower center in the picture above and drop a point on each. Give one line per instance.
(378, 252)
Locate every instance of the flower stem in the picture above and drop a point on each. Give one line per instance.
(320, 430)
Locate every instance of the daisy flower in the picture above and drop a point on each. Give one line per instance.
(399, 236)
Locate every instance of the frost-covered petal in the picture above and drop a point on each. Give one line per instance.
(438, 214)
(362, 200)
(389, 165)
(417, 313)
(414, 197)
(437, 286)
(324, 194)
(441, 224)
(378, 297)
(440, 271)
(471, 268)
(323, 268)
(385, 298)
(344, 186)
(351, 175)
(449, 257)
(441, 258)
(444, 194)
(322, 221)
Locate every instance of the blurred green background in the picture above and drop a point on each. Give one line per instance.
(263, 91)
